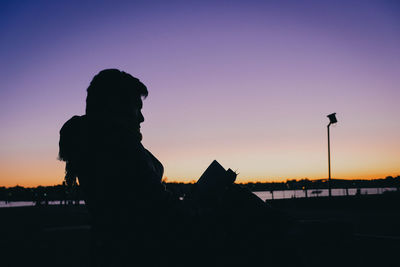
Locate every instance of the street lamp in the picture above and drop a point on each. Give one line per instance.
(332, 120)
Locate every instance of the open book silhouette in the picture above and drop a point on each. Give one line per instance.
(212, 183)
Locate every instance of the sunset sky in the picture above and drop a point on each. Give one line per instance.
(248, 83)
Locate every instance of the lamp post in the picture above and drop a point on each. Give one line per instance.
(332, 120)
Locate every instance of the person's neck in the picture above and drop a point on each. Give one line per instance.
(122, 122)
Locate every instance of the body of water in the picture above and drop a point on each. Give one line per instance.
(268, 195)
(264, 195)
(9, 204)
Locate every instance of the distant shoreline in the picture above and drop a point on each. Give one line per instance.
(264, 195)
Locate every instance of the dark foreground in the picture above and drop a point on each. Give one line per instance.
(344, 231)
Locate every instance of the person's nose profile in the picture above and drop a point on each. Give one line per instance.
(141, 117)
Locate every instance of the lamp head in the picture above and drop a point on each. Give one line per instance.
(332, 118)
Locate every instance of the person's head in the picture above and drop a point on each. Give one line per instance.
(116, 93)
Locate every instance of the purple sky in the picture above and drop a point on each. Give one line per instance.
(245, 82)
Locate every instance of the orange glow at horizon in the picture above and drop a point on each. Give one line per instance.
(264, 158)
(32, 174)
(42, 173)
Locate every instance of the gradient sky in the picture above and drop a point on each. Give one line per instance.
(248, 83)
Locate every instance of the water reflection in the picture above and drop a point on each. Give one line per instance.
(4, 204)
(267, 195)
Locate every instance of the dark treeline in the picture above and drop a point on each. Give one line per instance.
(64, 193)
(40, 194)
(304, 184)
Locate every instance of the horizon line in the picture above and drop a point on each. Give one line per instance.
(241, 182)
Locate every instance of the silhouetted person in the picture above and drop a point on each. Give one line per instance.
(121, 180)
